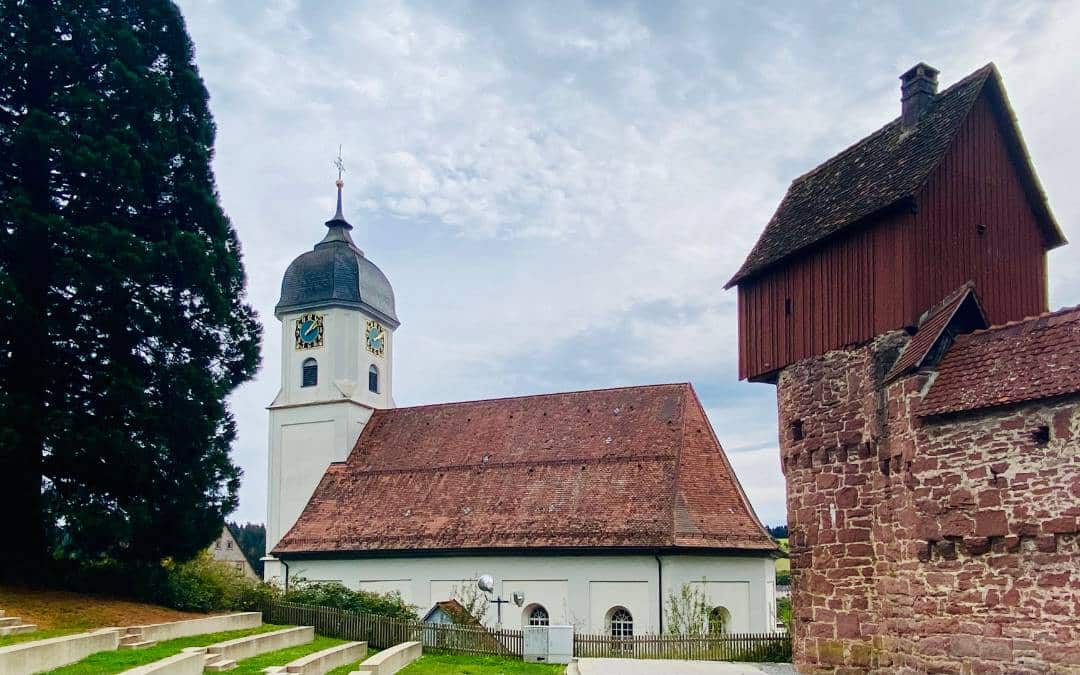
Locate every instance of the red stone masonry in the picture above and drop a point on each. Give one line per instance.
(616, 468)
(946, 543)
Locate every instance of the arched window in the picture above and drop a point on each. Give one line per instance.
(373, 379)
(309, 373)
(537, 616)
(621, 623)
(719, 620)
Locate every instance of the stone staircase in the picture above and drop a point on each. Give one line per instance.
(13, 625)
(216, 663)
(133, 639)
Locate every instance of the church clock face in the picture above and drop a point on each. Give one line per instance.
(309, 331)
(375, 338)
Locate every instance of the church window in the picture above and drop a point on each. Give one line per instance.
(373, 379)
(309, 373)
(621, 623)
(538, 616)
(719, 619)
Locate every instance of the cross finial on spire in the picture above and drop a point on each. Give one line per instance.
(340, 164)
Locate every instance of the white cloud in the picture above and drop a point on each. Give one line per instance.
(558, 193)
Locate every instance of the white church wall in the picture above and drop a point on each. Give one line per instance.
(740, 585)
(579, 590)
(303, 441)
(637, 597)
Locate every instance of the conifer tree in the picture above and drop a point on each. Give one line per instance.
(121, 289)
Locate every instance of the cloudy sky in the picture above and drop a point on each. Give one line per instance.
(558, 191)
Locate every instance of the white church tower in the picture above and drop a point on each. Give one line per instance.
(337, 344)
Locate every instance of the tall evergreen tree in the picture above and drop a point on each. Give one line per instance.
(121, 288)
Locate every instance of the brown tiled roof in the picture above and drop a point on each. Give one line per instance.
(626, 468)
(886, 168)
(1021, 361)
(934, 325)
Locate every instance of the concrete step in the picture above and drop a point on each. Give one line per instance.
(219, 664)
(137, 644)
(18, 630)
(10, 621)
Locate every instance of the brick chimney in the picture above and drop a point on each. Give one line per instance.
(918, 86)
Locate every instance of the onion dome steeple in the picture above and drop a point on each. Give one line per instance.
(337, 274)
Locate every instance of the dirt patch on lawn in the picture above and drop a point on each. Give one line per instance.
(66, 610)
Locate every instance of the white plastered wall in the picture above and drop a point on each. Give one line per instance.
(310, 427)
(575, 589)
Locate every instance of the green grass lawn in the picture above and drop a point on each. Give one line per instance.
(6, 640)
(458, 664)
(117, 661)
(282, 656)
(346, 669)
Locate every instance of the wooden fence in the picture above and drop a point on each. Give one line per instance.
(760, 647)
(382, 632)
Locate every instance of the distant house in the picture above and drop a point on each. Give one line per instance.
(225, 549)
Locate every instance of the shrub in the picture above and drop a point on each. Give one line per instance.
(203, 584)
(340, 596)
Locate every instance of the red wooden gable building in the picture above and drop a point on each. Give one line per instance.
(864, 243)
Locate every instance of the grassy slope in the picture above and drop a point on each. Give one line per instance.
(62, 613)
(455, 664)
(117, 661)
(346, 669)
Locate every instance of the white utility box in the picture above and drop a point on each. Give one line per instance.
(547, 644)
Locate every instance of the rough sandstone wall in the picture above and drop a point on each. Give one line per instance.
(943, 545)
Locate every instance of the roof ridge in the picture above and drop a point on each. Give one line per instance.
(962, 82)
(542, 395)
(1026, 319)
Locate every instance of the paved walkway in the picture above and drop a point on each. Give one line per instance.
(666, 667)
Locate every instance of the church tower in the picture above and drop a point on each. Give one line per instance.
(337, 326)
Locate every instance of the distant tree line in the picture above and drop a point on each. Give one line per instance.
(778, 531)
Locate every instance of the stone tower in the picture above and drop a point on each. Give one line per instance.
(928, 410)
(337, 342)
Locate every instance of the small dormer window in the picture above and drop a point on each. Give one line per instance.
(309, 373)
(373, 379)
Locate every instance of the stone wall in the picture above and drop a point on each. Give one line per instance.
(940, 545)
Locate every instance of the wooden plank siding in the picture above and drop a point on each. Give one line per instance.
(882, 275)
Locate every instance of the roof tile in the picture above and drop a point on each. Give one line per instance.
(1019, 361)
(631, 467)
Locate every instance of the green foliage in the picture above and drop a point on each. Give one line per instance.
(687, 611)
(252, 540)
(783, 577)
(205, 585)
(340, 596)
(124, 278)
(474, 605)
(783, 612)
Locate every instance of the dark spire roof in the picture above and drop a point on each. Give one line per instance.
(883, 170)
(337, 274)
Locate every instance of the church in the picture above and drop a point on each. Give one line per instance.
(587, 508)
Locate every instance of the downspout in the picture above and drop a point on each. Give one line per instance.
(660, 590)
(286, 565)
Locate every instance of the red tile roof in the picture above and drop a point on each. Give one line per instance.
(1020, 361)
(933, 325)
(625, 468)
